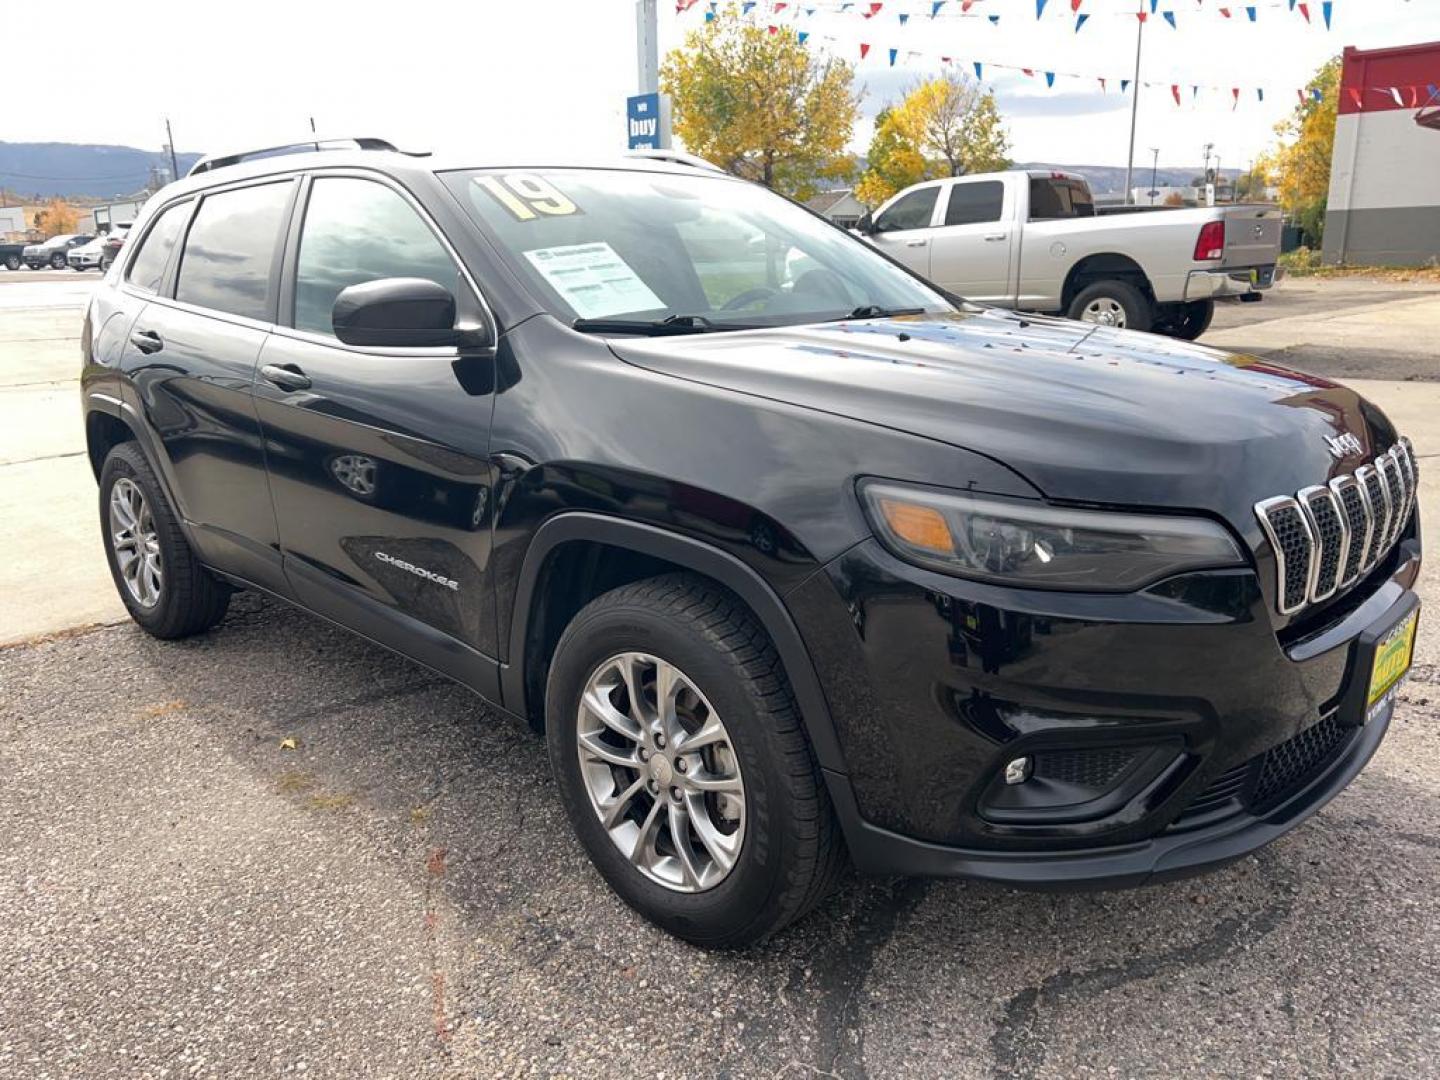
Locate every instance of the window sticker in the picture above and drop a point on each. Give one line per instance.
(593, 280)
(527, 196)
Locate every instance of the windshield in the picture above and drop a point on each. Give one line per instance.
(599, 244)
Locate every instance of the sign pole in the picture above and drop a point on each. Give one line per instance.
(647, 113)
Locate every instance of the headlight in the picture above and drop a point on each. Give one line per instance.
(1040, 546)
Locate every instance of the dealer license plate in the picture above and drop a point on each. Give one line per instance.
(1392, 661)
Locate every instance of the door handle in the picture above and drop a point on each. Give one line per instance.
(147, 341)
(995, 236)
(286, 376)
(916, 243)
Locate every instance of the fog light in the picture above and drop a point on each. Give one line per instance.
(1018, 771)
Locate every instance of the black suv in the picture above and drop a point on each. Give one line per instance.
(792, 557)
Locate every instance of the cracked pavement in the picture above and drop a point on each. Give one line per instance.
(278, 850)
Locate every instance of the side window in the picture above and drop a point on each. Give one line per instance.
(912, 211)
(154, 254)
(357, 231)
(974, 204)
(230, 249)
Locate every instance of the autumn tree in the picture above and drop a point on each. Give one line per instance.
(57, 219)
(1301, 165)
(945, 126)
(760, 105)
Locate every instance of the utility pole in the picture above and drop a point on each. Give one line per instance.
(1134, 102)
(1154, 169)
(170, 139)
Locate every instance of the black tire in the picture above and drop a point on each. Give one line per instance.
(1139, 313)
(12, 262)
(191, 599)
(792, 852)
(57, 261)
(1188, 321)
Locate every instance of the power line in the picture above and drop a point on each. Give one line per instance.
(7, 174)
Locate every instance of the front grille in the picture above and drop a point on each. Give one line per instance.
(1324, 538)
(1267, 780)
(1095, 769)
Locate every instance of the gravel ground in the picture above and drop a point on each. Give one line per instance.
(276, 850)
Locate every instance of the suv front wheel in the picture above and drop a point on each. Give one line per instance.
(682, 763)
(160, 581)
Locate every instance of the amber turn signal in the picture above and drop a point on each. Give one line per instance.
(920, 526)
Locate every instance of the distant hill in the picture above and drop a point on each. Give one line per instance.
(1111, 178)
(80, 169)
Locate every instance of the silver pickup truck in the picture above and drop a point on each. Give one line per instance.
(1035, 241)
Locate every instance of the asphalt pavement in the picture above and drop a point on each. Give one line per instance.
(277, 850)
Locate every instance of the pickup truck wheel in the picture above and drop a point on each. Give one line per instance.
(683, 766)
(1112, 303)
(12, 262)
(160, 581)
(1190, 320)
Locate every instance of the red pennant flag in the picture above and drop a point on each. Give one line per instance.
(966, 5)
(864, 48)
(781, 6)
(1029, 71)
(683, 6)
(1074, 6)
(1235, 93)
(772, 29)
(1355, 97)
(1304, 10)
(1175, 92)
(1103, 88)
(1141, 15)
(944, 59)
(874, 10)
(1225, 11)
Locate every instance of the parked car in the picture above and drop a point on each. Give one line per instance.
(1032, 240)
(793, 559)
(114, 241)
(53, 252)
(87, 256)
(12, 255)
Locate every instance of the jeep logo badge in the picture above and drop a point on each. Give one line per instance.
(1344, 445)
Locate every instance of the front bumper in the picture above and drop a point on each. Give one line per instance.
(936, 683)
(84, 262)
(1232, 282)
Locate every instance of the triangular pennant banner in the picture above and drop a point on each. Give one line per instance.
(1175, 92)
(874, 10)
(1235, 93)
(994, 19)
(1074, 6)
(1140, 15)
(1250, 11)
(979, 71)
(893, 54)
(1169, 17)
(1304, 10)
(1124, 85)
(1326, 9)
(935, 8)
(802, 35)
(1081, 20)
(904, 19)
(1356, 98)
(1260, 92)
(1039, 8)
(1049, 78)
(864, 50)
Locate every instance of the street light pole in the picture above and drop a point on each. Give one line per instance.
(170, 139)
(1134, 102)
(1154, 169)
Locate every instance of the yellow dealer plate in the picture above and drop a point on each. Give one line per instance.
(1392, 661)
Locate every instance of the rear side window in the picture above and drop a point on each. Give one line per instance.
(230, 250)
(1059, 199)
(972, 204)
(149, 266)
(910, 211)
(357, 231)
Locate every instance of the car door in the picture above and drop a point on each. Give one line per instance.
(191, 358)
(971, 250)
(902, 228)
(379, 458)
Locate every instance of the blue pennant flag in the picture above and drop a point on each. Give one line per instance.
(1326, 9)
(1124, 85)
(1194, 91)
(802, 35)
(904, 19)
(1049, 78)
(1317, 94)
(1039, 8)
(1292, 5)
(1169, 16)
(979, 72)
(709, 16)
(935, 8)
(1260, 92)
(1081, 20)
(745, 7)
(1250, 11)
(893, 53)
(1153, 5)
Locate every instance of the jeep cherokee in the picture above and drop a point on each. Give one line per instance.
(794, 559)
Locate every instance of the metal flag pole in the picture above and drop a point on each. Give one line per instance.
(1134, 103)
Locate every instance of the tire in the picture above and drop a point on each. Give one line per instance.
(57, 262)
(12, 262)
(189, 599)
(1124, 303)
(790, 852)
(1188, 321)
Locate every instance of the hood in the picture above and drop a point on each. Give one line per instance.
(1086, 413)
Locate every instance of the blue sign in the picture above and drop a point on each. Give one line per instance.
(642, 121)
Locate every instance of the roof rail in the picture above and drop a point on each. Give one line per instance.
(676, 157)
(296, 146)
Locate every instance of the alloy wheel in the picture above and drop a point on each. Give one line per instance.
(135, 542)
(1105, 311)
(661, 772)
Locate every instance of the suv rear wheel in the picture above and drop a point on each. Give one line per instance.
(160, 581)
(683, 765)
(57, 261)
(12, 262)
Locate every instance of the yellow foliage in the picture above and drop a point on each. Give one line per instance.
(57, 219)
(1301, 165)
(759, 105)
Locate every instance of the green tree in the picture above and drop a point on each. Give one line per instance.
(760, 105)
(944, 127)
(1301, 165)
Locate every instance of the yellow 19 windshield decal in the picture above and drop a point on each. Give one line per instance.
(527, 196)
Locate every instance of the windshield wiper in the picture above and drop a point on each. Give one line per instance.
(875, 311)
(671, 324)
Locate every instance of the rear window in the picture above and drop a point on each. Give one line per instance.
(972, 204)
(229, 252)
(1051, 198)
(148, 268)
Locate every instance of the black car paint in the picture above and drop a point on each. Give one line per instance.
(736, 455)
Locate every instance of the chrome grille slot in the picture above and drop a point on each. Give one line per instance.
(1326, 537)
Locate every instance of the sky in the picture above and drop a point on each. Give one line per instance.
(541, 76)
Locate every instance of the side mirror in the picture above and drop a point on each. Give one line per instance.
(402, 313)
(866, 224)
